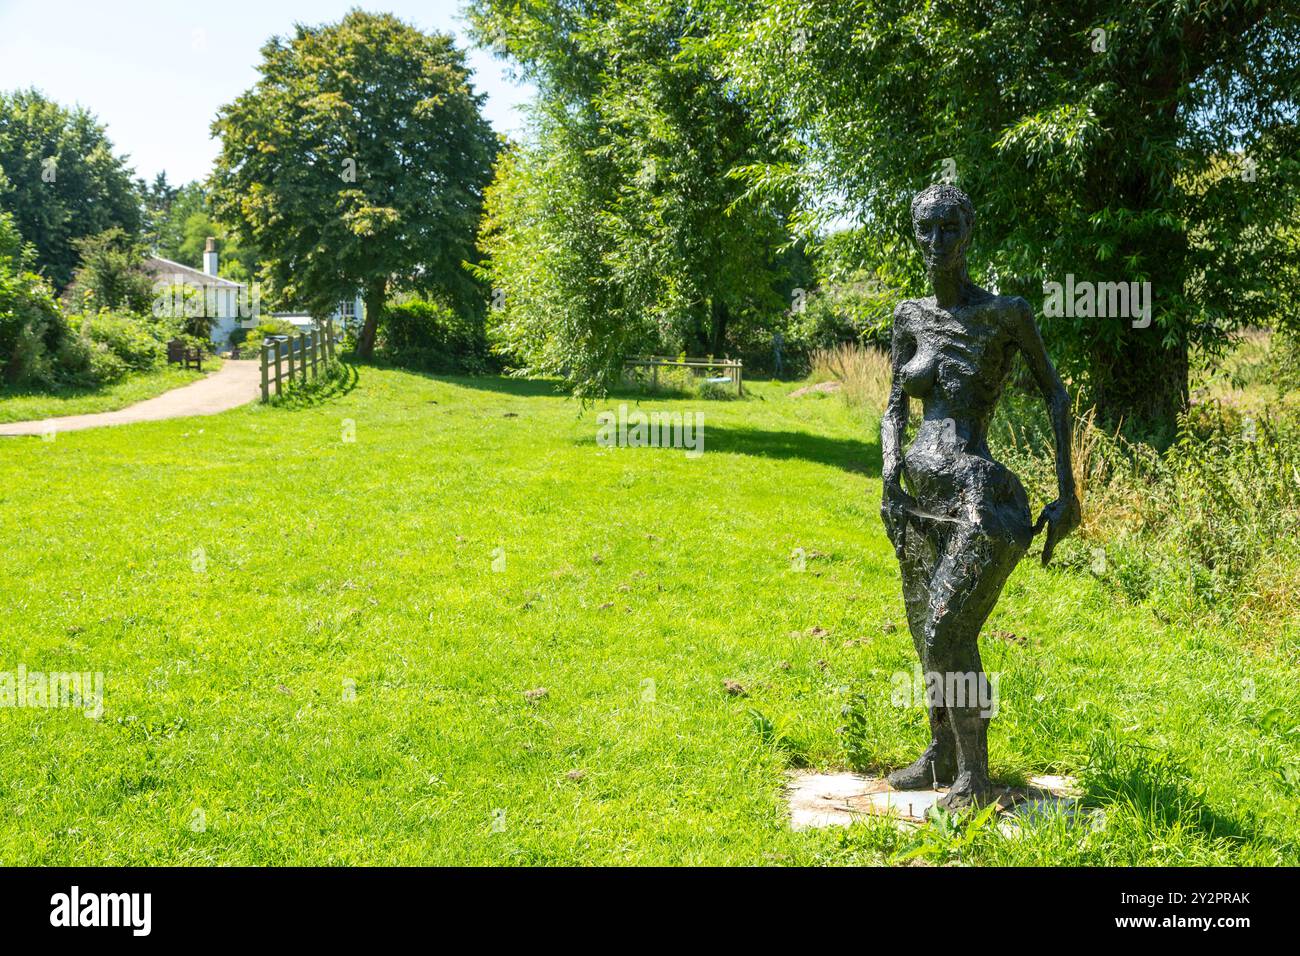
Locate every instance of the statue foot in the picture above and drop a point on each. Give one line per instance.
(931, 768)
(969, 790)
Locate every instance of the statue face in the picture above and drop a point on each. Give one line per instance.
(941, 233)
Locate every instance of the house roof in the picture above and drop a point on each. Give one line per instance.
(165, 268)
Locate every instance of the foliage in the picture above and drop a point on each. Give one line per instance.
(1080, 157)
(110, 275)
(182, 225)
(1197, 528)
(265, 330)
(431, 336)
(1283, 361)
(65, 181)
(128, 338)
(618, 227)
(36, 346)
(357, 161)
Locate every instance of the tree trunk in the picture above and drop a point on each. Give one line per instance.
(719, 331)
(1141, 383)
(374, 300)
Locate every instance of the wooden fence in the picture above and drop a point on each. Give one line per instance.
(302, 356)
(729, 369)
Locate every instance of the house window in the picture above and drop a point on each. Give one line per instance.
(348, 309)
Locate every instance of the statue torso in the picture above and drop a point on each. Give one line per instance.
(956, 362)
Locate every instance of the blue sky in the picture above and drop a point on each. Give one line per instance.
(156, 72)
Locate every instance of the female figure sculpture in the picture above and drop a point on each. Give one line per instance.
(962, 522)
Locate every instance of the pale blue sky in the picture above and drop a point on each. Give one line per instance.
(155, 72)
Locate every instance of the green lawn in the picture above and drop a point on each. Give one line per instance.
(339, 675)
(24, 405)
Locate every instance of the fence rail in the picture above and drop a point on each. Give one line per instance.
(731, 369)
(289, 356)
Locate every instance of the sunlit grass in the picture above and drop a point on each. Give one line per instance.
(31, 404)
(318, 650)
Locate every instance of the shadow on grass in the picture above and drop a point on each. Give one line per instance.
(859, 457)
(501, 384)
(332, 384)
(1158, 790)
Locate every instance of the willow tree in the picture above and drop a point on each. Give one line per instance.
(617, 225)
(357, 162)
(1108, 140)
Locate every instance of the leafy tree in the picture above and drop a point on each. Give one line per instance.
(1108, 139)
(111, 275)
(65, 182)
(156, 200)
(183, 232)
(618, 226)
(358, 161)
(170, 232)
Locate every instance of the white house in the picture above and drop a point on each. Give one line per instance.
(233, 304)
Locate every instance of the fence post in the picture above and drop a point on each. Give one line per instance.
(292, 367)
(278, 356)
(329, 340)
(315, 347)
(266, 385)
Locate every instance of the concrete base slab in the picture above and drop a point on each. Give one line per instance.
(837, 799)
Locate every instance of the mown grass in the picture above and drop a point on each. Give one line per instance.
(343, 680)
(21, 405)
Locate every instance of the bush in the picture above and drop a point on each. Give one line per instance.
(431, 337)
(1203, 526)
(129, 338)
(253, 338)
(1283, 360)
(37, 347)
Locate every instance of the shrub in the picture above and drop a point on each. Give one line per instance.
(430, 336)
(1196, 527)
(254, 337)
(1283, 360)
(36, 344)
(856, 311)
(128, 337)
(111, 274)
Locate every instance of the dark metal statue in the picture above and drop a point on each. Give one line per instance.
(960, 521)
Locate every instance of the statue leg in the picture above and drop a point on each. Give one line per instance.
(938, 763)
(966, 584)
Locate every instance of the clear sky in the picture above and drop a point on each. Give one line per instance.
(156, 71)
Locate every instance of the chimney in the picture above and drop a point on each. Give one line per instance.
(210, 257)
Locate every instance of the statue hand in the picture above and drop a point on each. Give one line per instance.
(1061, 517)
(894, 504)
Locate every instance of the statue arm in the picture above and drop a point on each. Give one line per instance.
(1061, 516)
(893, 423)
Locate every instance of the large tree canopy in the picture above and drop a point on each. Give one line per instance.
(357, 162)
(1110, 140)
(65, 183)
(618, 225)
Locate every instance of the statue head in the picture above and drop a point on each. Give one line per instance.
(942, 219)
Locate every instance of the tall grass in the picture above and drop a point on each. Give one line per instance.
(1210, 524)
(863, 372)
